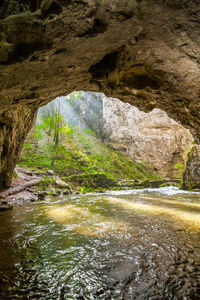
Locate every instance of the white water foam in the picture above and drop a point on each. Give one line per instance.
(170, 191)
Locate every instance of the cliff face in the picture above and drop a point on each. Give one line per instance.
(149, 137)
(143, 52)
(14, 127)
(152, 138)
(192, 172)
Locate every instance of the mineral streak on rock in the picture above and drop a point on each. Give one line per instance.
(143, 52)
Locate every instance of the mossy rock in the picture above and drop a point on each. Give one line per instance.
(91, 180)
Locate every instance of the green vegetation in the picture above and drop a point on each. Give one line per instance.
(47, 181)
(178, 170)
(15, 175)
(78, 157)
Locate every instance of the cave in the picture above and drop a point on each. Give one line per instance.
(135, 245)
(142, 52)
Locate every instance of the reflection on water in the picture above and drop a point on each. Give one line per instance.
(190, 217)
(122, 245)
(82, 221)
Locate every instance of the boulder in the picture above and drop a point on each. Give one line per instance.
(61, 184)
(5, 207)
(66, 192)
(42, 195)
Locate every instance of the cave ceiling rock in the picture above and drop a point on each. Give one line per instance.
(145, 52)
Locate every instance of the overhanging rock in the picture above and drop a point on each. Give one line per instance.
(142, 52)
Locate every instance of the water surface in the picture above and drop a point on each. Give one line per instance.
(119, 245)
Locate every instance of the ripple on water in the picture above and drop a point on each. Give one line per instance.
(131, 245)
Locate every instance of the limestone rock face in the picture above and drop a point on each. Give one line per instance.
(14, 127)
(191, 176)
(143, 52)
(149, 137)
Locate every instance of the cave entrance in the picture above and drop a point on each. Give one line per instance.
(95, 141)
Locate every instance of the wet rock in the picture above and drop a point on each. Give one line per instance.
(4, 206)
(42, 195)
(191, 176)
(66, 192)
(4, 202)
(54, 194)
(22, 197)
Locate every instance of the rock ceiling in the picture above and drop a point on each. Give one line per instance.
(144, 52)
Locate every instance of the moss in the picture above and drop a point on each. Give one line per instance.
(166, 184)
(47, 181)
(91, 181)
(83, 160)
(15, 175)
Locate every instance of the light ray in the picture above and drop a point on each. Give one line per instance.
(190, 220)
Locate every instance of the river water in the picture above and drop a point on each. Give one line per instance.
(139, 244)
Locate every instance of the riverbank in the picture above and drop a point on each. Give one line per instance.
(31, 186)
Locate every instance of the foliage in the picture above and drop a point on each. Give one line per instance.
(47, 181)
(78, 156)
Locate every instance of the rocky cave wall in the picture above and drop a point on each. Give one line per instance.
(145, 52)
(147, 137)
(152, 138)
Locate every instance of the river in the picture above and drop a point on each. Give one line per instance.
(139, 244)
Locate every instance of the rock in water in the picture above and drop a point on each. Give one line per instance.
(4, 207)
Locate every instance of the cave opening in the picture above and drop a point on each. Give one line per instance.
(115, 221)
(96, 162)
(86, 134)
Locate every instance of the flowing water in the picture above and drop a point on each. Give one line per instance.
(120, 245)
